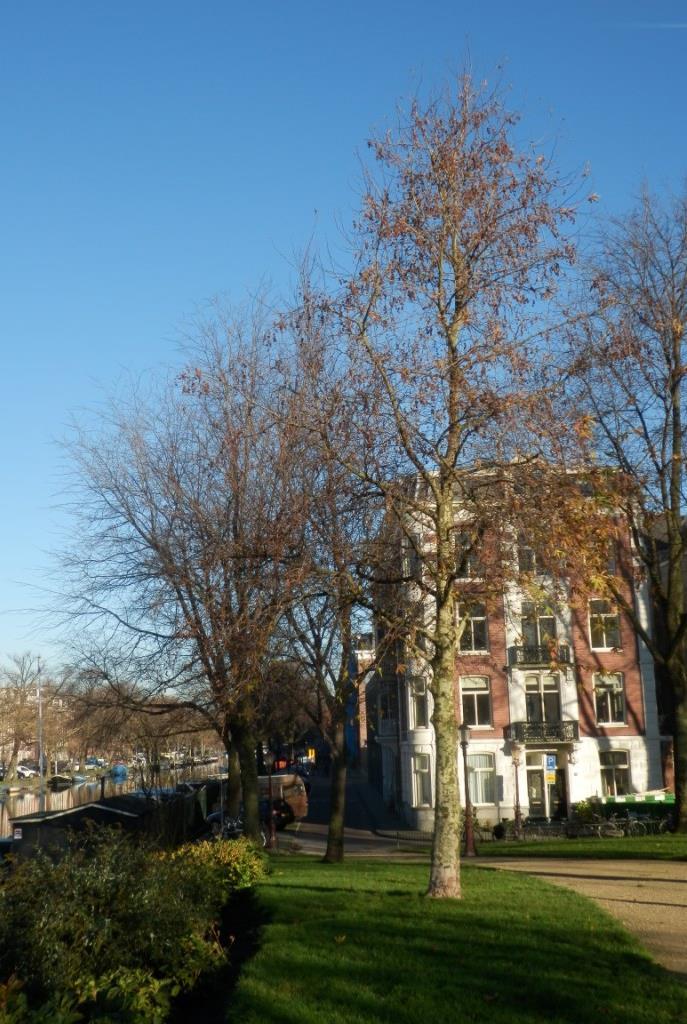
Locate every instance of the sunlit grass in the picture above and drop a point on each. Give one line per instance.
(359, 943)
(661, 847)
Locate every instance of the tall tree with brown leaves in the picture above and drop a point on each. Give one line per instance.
(458, 251)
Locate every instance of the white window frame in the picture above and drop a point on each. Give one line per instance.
(538, 613)
(472, 692)
(526, 557)
(468, 630)
(626, 767)
(602, 617)
(422, 780)
(482, 778)
(418, 692)
(468, 548)
(610, 683)
(541, 690)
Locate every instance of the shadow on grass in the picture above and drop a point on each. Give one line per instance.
(241, 927)
(512, 952)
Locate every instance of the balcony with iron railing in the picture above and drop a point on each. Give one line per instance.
(542, 732)
(541, 654)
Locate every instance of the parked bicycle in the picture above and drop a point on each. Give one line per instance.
(593, 827)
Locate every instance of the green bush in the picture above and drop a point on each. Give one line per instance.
(586, 810)
(209, 872)
(79, 928)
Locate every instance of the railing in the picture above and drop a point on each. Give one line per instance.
(542, 732)
(529, 654)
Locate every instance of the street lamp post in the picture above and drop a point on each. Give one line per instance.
(469, 831)
(271, 830)
(41, 779)
(516, 754)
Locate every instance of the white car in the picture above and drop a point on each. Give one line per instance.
(26, 773)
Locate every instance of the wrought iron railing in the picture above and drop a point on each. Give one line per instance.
(542, 732)
(531, 654)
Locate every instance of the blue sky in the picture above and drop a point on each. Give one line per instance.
(159, 153)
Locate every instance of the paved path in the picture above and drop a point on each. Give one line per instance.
(648, 896)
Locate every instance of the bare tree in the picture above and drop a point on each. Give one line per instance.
(322, 626)
(458, 249)
(18, 708)
(629, 366)
(28, 693)
(188, 540)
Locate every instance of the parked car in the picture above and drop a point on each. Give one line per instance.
(24, 772)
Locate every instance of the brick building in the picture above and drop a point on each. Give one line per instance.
(559, 695)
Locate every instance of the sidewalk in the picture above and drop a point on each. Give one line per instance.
(648, 896)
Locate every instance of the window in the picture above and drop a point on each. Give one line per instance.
(387, 703)
(538, 625)
(542, 698)
(474, 635)
(482, 778)
(615, 772)
(609, 698)
(527, 561)
(612, 558)
(476, 700)
(412, 561)
(422, 780)
(604, 625)
(468, 562)
(418, 688)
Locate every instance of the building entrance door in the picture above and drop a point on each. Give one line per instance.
(546, 785)
(536, 791)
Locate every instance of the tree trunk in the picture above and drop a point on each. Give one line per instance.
(233, 781)
(337, 810)
(244, 739)
(444, 878)
(678, 684)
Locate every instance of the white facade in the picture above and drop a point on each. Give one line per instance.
(514, 757)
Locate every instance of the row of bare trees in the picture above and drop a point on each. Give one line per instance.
(240, 524)
(64, 714)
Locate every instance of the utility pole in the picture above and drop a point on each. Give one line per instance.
(41, 777)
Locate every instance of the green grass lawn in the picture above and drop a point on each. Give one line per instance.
(359, 944)
(663, 847)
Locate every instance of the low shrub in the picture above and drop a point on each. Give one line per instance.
(210, 871)
(80, 928)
